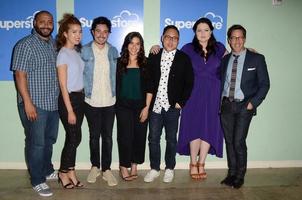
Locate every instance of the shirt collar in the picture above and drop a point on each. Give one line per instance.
(169, 53)
(96, 48)
(243, 52)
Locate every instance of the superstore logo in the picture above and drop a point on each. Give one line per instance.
(18, 24)
(124, 19)
(217, 22)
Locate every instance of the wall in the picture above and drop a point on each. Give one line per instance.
(274, 138)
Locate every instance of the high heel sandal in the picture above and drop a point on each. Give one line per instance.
(194, 176)
(202, 175)
(134, 175)
(67, 185)
(125, 178)
(78, 183)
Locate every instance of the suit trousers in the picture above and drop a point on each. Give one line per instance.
(73, 132)
(131, 133)
(235, 119)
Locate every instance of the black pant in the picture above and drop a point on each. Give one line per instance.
(131, 133)
(236, 120)
(73, 131)
(100, 122)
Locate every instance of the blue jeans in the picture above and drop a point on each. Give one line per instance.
(169, 120)
(40, 135)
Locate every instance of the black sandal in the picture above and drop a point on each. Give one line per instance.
(78, 184)
(68, 185)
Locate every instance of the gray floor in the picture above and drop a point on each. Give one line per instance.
(270, 184)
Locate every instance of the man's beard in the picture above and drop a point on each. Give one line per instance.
(102, 42)
(43, 34)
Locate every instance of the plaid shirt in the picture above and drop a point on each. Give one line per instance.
(37, 58)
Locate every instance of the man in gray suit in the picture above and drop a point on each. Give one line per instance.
(245, 83)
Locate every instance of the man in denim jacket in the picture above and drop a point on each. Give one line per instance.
(99, 86)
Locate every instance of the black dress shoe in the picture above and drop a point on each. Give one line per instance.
(228, 180)
(238, 182)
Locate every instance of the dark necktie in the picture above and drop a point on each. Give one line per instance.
(233, 78)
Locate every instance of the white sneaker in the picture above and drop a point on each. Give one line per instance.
(151, 175)
(52, 176)
(108, 176)
(93, 174)
(169, 175)
(43, 190)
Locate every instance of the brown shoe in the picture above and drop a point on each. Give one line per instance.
(194, 176)
(202, 175)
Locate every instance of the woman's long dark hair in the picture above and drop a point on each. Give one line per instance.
(211, 43)
(124, 59)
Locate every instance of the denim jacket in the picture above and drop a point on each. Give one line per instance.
(88, 58)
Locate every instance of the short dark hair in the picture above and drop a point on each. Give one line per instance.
(170, 27)
(236, 27)
(101, 20)
(40, 13)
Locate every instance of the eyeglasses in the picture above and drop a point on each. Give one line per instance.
(173, 39)
(234, 38)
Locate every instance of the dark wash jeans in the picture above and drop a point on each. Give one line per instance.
(235, 119)
(73, 132)
(100, 122)
(40, 135)
(168, 120)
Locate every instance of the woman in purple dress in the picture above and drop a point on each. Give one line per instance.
(200, 130)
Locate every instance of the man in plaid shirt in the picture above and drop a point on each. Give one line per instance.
(34, 66)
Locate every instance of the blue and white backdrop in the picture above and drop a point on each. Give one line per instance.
(183, 15)
(16, 19)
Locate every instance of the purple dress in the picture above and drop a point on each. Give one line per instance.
(200, 115)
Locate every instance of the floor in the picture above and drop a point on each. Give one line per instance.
(270, 184)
